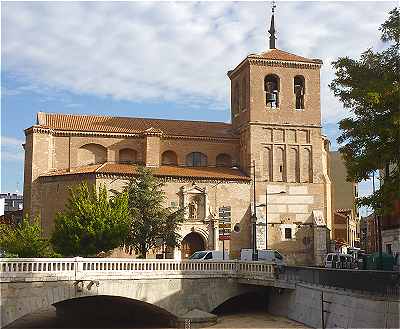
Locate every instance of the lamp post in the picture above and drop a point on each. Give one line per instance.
(254, 215)
(266, 215)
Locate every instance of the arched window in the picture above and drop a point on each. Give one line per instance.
(293, 165)
(224, 160)
(306, 171)
(243, 107)
(268, 164)
(127, 155)
(271, 88)
(279, 164)
(91, 154)
(299, 91)
(196, 159)
(169, 158)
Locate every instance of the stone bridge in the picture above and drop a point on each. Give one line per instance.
(175, 287)
(172, 288)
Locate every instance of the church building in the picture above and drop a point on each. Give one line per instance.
(272, 152)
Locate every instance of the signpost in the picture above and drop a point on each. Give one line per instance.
(224, 226)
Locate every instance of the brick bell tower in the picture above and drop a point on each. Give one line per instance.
(275, 108)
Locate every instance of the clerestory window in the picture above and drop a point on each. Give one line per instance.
(196, 159)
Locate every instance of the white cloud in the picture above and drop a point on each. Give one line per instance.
(11, 141)
(11, 149)
(163, 51)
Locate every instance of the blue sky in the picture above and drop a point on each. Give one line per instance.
(164, 60)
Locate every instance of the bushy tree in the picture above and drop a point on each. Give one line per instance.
(92, 222)
(25, 240)
(370, 88)
(151, 220)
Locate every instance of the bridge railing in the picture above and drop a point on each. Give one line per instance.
(101, 268)
(31, 268)
(384, 283)
(129, 268)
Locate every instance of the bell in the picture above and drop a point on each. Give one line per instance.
(299, 89)
(271, 97)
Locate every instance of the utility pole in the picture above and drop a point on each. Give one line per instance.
(254, 216)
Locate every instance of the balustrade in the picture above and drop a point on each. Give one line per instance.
(80, 268)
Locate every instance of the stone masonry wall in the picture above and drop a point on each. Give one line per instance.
(347, 309)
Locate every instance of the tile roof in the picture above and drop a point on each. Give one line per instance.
(162, 171)
(278, 54)
(109, 124)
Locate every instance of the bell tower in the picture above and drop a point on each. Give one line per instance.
(275, 109)
(275, 89)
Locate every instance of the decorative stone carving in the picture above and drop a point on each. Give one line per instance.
(195, 201)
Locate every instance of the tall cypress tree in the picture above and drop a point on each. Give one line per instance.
(151, 220)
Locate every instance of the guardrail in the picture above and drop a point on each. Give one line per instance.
(50, 269)
(383, 283)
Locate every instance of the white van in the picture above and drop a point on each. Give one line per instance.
(271, 256)
(209, 255)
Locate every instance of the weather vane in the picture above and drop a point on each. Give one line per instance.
(272, 28)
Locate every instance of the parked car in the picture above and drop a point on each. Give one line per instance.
(209, 255)
(344, 261)
(272, 256)
(396, 266)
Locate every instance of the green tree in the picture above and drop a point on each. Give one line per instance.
(25, 240)
(369, 87)
(92, 222)
(151, 220)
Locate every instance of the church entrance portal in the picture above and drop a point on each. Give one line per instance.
(191, 243)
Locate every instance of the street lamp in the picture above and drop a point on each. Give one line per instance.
(254, 215)
(266, 215)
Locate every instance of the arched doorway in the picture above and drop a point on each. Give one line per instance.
(191, 243)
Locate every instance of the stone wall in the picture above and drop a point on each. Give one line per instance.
(346, 309)
(216, 194)
(176, 296)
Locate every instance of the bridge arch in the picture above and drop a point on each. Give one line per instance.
(104, 311)
(169, 296)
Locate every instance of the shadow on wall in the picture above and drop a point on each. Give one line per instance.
(300, 250)
(107, 311)
(132, 303)
(247, 302)
(242, 238)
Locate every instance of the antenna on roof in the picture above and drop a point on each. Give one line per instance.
(271, 30)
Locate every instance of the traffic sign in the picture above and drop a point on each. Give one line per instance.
(225, 225)
(224, 237)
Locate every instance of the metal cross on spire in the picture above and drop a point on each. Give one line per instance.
(271, 30)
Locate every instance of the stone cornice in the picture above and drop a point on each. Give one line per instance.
(71, 176)
(284, 125)
(54, 132)
(261, 61)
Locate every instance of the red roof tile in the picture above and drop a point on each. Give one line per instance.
(277, 54)
(163, 171)
(96, 123)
